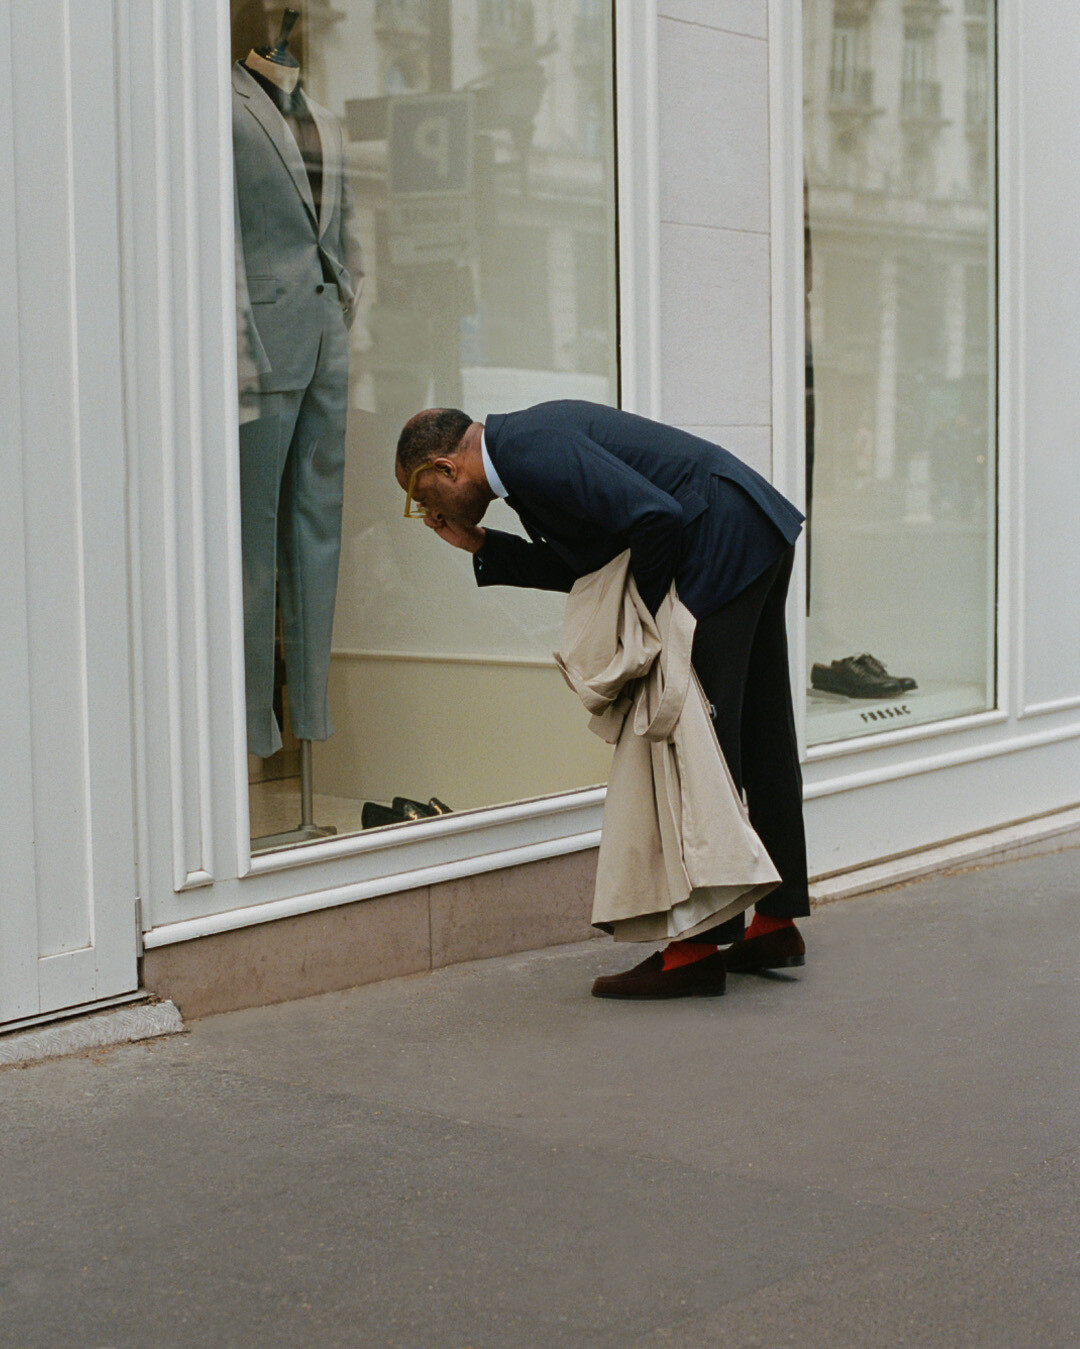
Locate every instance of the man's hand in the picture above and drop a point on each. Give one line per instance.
(468, 537)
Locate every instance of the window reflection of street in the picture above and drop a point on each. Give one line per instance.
(479, 142)
(898, 119)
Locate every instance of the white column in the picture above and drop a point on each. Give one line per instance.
(68, 892)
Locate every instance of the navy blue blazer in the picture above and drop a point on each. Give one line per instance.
(590, 481)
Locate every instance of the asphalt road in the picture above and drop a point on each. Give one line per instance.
(881, 1149)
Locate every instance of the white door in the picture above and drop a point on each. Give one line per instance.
(67, 865)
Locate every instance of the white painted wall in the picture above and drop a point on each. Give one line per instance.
(68, 888)
(1046, 205)
(715, 224)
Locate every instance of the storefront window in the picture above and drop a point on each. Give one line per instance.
(900, 365)
(425, 216)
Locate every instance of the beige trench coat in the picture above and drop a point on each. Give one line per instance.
(677, 852)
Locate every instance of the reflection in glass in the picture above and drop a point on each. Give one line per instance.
(901, 433)
(477, 187)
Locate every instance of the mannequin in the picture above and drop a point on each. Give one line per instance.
(285, 77)
(277, 63)
(299, 275)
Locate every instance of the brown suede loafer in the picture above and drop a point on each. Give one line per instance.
(779, 950)
(703, 978)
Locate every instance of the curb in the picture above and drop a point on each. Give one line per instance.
(1012, 843)
(120, 1025)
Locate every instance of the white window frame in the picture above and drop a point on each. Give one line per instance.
(884, 796)
(198, 873)
(789, 426)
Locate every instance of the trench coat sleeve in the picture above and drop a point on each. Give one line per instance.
(677, 851)
(566, 474)
(508, 560)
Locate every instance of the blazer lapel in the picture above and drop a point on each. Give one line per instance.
(331, 164)
(282, 139)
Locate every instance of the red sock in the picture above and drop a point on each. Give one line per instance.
(762, 925)
(686, 952)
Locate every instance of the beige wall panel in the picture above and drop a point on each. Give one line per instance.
(520, 909)
(297, 957)
(471, 734)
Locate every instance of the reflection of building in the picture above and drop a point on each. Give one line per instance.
(897, 96)
(897, 101)
(542, 190)
(488, 200)
(531, 282)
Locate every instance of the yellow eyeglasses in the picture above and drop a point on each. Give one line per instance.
(415, 512)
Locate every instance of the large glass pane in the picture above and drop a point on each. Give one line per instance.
(900, 366)
(463, 149)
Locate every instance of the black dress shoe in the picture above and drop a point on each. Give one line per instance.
(412, 810)
(854, 678)
(373, 815)
(875, 666)
(780, 949)
(402, 808)
(703, 978)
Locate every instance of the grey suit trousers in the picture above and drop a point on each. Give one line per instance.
(292, 466)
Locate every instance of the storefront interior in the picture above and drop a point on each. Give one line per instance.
(477, 177)
(901, 395)
(478, 184)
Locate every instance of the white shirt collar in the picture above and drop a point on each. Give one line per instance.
(494, 481)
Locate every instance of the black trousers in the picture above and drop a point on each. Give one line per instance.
(741, 657)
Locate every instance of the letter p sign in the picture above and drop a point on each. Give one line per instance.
(429, 140)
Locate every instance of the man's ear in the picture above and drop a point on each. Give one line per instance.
(446, 466)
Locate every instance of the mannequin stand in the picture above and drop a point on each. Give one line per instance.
(307, 829)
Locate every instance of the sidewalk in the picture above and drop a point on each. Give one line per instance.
(881, 1149)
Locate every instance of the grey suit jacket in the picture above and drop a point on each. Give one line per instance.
(281, 247)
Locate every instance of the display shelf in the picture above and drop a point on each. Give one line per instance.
(831, 716)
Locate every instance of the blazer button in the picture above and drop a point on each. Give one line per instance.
(319, 289)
